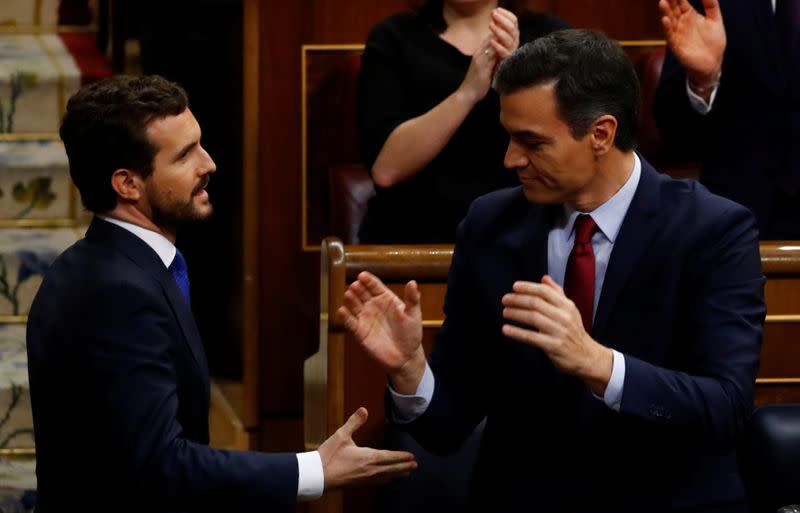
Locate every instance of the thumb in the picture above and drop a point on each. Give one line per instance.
(355, 421)
(712, 9)
(411, 295)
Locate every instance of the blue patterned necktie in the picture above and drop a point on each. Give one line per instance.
(181, 274)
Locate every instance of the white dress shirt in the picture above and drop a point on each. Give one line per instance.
(697, 102)
(609, 217)
(310, 481)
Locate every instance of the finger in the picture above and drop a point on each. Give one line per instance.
(411, 295)
(348, 319)
(352, 302)
(499, 12)
(360, 291)
(666, 22)
(664, 6)
(372, 284)
(356, 420)
(713, 12)
(501, 35)
(500, 51)
(684, 7)
(553, 296)
(395, 468)
(531, 303)
(507, 24)
(550, 282)
(535, 338)
(384, 457)
(531, 318)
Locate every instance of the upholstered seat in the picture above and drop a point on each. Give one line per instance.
(769, 458)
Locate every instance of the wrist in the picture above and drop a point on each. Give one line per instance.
(703, 83)
(465, 96)
(406, 379)
(597, 374)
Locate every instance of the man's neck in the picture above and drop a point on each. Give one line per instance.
(131, 214)
(613, 170)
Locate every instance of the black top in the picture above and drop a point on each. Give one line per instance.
(406, 70)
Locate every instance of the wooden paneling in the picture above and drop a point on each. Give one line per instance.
(619, 19)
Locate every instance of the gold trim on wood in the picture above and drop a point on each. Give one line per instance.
(48, 29)
(782, 318)
(437, 323)
(638, 43)
(30, 136)
(18, 451)
(778, 381)
(13, 319)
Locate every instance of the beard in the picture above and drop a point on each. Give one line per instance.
(174, 213)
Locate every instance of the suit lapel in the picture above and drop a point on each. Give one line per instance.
(536, 229)
(142, 255)
(185, 318)
(635, 235)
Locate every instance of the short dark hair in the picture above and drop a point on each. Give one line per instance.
(593, 77)
(105, 129)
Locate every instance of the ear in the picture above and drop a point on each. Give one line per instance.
(603, 133)
(127, 184)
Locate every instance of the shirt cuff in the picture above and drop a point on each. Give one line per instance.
(408, 407)
(613, 395)
(310, 476)
(698, 103)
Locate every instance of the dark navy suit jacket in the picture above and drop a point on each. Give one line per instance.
(682, 300)
(120, 392)
(748, 142)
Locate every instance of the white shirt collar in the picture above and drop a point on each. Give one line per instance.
(609, 215)
(160, 244)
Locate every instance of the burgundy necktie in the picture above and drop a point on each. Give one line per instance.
(579, 280)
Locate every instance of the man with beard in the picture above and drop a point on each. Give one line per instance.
(119, 380)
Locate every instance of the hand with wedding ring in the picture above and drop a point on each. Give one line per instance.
(502, 40)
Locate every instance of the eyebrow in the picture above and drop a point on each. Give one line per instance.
(185, 150)
(530, 135)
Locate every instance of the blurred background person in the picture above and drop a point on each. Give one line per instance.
(428, 123)
(729, 95)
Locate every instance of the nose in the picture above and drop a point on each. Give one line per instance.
(515, 156)
(208, 163)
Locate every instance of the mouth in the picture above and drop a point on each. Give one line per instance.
(201, 187)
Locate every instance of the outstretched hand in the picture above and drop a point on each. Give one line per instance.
(697, 41)
(346, 464)
(387, 327)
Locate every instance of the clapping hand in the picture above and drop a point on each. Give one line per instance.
(697, 41)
